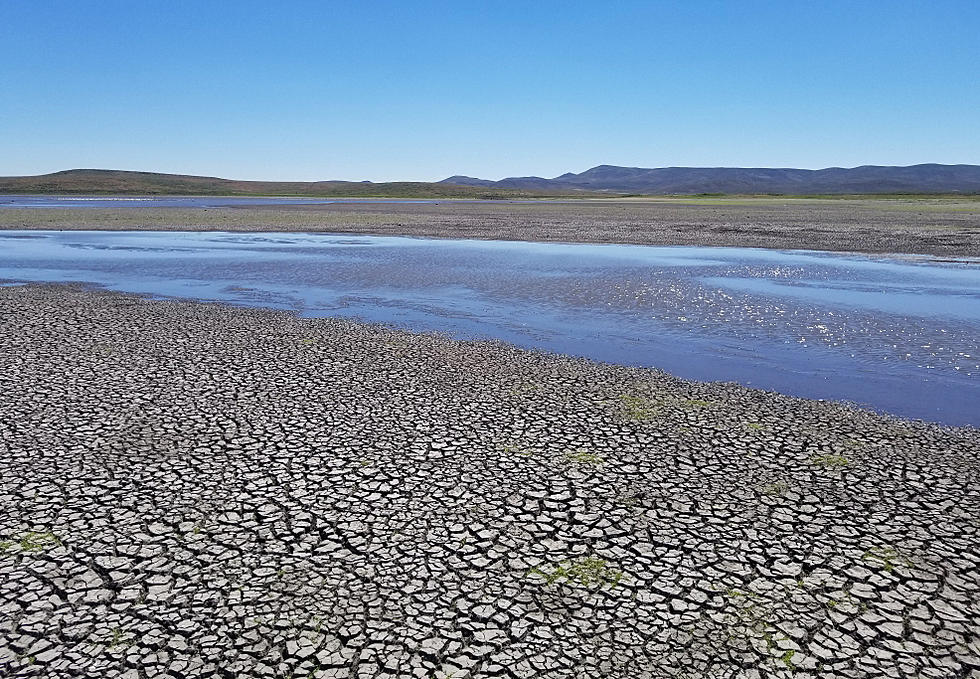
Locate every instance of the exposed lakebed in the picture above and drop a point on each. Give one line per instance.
(898, 334)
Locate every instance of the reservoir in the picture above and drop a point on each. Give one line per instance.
(898, 334)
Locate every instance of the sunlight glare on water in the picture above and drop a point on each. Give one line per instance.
(899, 334)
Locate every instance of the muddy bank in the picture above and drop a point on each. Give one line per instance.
(197, 490)
(944, 227)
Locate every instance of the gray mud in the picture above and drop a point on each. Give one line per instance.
(193, 490)
(944, 227)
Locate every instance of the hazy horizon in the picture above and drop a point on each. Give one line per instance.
(427, 91)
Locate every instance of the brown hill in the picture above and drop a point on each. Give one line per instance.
(155, 183)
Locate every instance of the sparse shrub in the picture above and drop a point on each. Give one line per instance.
(34, 541)
(775, 488)
(639, 408)
(584, 457)
(513, 448)
(829, 461)
(694, 403)
(886, 557)
(118, 637)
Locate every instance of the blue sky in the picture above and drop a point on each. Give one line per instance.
(423, 90)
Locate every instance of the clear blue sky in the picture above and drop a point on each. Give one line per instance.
(423, 90)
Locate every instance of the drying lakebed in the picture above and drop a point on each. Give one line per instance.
(211, 489)
(199, 490)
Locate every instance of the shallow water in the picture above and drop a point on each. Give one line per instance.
(898, 334)
(49, 201)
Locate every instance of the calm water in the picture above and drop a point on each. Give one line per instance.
(46, 201)
(899, 334)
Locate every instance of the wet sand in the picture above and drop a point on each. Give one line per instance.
(199, 490)
(937, 226)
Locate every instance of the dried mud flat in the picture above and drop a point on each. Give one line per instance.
(942, 227)
(193, 490)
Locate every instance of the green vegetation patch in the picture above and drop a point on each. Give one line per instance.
(688, 403)
(887, 558)
(585, 571)
(32, 542)
(639, 408)
(774, 489)
(514, 448)
(119, 638)
(829, 461)
(643, 408)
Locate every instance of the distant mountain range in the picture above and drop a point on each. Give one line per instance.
(600, 180)
(927, 178)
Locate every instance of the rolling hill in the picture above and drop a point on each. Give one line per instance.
(927, 178)
(597, 181)
(155, 183)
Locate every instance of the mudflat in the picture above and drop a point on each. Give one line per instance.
(937, 226)
(197, 490)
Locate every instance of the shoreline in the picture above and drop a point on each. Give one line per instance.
(938, 258)
(199, 486)
(766, 365)
(940, 228)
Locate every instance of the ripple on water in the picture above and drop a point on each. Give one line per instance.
(900, 334)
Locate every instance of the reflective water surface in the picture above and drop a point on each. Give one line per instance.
(50, 201)
(899, 334)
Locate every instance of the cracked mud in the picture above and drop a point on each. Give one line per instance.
(192, 490)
